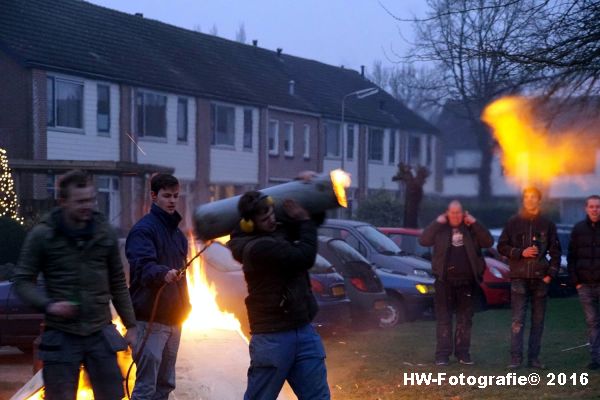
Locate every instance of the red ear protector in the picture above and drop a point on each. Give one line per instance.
(246, 223)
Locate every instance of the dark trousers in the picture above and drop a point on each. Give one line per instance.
(63, 354)
(296, 355)
(521, 292)
(453, 296)
(589, 295)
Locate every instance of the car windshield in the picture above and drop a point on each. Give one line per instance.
(410, 244)
(321, 266)
(345, 252)
(379, 241)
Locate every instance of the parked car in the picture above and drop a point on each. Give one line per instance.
(368, 299)
(561, 286)
(20, 323)
(228, 277)
(406, 278)
(496, 277)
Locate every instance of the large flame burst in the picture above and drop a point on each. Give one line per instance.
(533, 153)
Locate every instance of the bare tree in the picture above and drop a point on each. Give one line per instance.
(413, 180)
(214, 31)
(380, 75)
(240, 35)
(464, 40)
(198, 28)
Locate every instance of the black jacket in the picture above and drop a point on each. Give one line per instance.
(518, 234)
(276, 273)
(154, 246)
(584, 252)
(439, 236)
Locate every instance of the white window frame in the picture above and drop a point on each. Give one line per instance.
(376, 160)
(273, 150)
(392, 147)
(141, 131)
(328, 153)
(214, 134)
(183, 101)
(248, 134)
(350, 154)
(102, 132)
(306, 141)
(288, 136)
(54, 122)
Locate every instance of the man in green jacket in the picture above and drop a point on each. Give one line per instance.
(77, 252)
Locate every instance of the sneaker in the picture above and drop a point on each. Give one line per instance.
(466, 360)
(594, 365)
(535, 363)
(442, 361)
(514, 364)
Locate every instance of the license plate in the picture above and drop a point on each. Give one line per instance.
(380, 305)
(338, 291)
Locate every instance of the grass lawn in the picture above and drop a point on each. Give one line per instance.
(371, 364)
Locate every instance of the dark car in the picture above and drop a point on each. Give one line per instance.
(368, 299)
(496, 277)
(20, 323)
(406, 278)
(228, 278)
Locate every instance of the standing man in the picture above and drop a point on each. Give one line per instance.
(584, 269)
(284, 345)
(527, 239)
(457, 239)
(77, 251)
(156, 250)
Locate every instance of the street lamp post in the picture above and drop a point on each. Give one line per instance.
(360, 94)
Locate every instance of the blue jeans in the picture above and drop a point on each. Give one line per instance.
(155, 376)
(521, 292)
(296, 355)
(63, 353)
(589, 295)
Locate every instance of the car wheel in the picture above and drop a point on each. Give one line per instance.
(393, 314)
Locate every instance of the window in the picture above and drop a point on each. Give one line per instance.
(273, 137)
(108, 198)
(332, 139)
(375, 144)
(392, 147)
(151, 114)
(182, 120)
(429, 150)
(306, 145)
(288, 139)
(247, 129)
(223, 125)
(350, 142)
(65, 103)
(103, 109)
(414, 150)
(51, 186)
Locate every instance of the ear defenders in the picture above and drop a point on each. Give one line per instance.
(246, 223)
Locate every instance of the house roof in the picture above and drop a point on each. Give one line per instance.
(73, 36)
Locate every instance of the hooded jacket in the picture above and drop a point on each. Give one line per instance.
(89, 274)
(439, 236)
(155, 245)
(584, 252)
(276, 273)
(518, 234)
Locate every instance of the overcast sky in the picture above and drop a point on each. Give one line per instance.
(338, 32)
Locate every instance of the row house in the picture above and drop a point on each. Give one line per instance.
(122, 96)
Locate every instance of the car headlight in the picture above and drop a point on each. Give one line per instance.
(424, 289)
(421, 273)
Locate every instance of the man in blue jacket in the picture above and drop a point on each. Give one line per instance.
(156, 250)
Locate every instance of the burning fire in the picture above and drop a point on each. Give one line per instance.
(340, 181)
(532, 152)
(205, 315)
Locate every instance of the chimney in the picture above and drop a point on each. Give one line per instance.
(292, 86)
(362, 71)
(255, 43)
(279, 50)
(139, 15)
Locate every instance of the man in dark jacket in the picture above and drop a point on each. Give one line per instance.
(157, 250)
(527, 239)
(284, 345)
(77, 252)
(457, 239)
(584, 268)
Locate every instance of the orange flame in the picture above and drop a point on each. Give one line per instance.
(532, 152)
(340, 181)
(205, 315)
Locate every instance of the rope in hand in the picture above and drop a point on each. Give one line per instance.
(151, 320)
